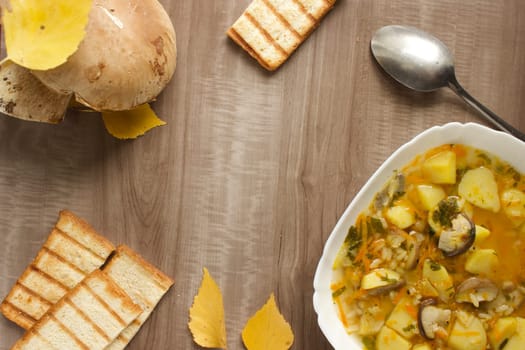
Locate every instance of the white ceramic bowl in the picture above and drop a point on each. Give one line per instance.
(503, 145)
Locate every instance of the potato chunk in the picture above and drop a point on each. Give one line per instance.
(430, 195)
(438, 276)
(479, 187)
(467, 333)
(513, 202)
(482, 234)
(482, 262)
(379, 278)
(421, 347)
(388, 339)
(401, 216)
(403, 318)
(426, 288)
(370, 324)
(503, 329)
(517, 341)
(440, 168)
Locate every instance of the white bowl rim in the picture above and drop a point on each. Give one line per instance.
(503, 145)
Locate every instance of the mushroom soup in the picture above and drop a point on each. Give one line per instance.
(437, 260)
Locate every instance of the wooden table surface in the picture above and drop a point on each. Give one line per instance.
(254, 168)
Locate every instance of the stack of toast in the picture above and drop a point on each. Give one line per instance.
(81, 292)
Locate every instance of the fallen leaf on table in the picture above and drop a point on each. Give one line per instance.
(267, 329)
(42, 34)
(207, 315)
(133, 123)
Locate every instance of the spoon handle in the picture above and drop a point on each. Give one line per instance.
(487, 113)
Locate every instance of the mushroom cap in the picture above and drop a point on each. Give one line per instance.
(126, 58)
(23, 96)
(475, 290)
(431, 318)
(459, 238)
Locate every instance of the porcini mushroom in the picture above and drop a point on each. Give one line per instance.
(126, 58)
(24, 96)
(458, 238)
(475, 290)
(432, 320)
(414, 242)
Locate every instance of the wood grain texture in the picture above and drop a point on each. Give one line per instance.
(253, 169)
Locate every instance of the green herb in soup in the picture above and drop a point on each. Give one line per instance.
(437, 261)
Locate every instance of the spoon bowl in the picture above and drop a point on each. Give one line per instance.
(412, 57)
(422, 62)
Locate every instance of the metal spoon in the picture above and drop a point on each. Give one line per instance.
(421, 62)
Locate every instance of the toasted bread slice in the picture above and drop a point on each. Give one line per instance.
(90, 316)
(143, 282)
(84, 234)
(271, 30)
(72, 251)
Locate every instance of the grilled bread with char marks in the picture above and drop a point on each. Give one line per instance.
(72, 251)
(88, 317)
(144, 283)
(271, 30)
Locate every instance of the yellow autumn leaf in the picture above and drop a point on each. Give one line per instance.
(133, 123)
(267, 329)
(42, 34)
(207, 315)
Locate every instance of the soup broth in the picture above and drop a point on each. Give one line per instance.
(437, 260)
